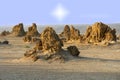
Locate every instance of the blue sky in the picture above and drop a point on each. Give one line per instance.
(39, 11)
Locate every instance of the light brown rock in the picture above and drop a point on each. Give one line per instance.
(32, 54)
(50, 40)
(70, 33)
(32, 30)
(99, 32)
(5, 33)
(27, 38)
(18, 30)
(75, 33)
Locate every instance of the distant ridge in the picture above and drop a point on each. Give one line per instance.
(59, 27)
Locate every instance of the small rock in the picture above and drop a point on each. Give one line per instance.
(73, 50)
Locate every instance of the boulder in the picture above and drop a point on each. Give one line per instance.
(32, 30)
(99, 32)
(73, 50)
(18, 30)
(4, 42)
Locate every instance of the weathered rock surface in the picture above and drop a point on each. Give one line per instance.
(27, 38)
(75, 33)
(70, 33)
(32, 54)
(73, 50)
(99, 32)
(38, 45)
(18, 30)
(50, 40)
(5, 33)
(32, 30)
(49, 45)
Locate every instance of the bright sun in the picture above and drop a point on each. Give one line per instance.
(60, 12)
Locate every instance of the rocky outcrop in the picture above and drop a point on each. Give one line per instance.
(31, 54)
(50, 40)
(38, 45)
(5, 33)
(99, 32)
(70, 33)
(18, 30)
(73, 50)
(75, 33)
(27, 38)
(49, 44)
(32, 31)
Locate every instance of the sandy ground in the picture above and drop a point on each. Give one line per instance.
(94, 63)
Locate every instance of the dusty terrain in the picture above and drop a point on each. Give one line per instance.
(93, 63)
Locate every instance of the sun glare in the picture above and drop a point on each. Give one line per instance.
(60, 12)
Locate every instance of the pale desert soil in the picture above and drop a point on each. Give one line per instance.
(94, 63)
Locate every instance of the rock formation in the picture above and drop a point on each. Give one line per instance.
(49, 44)
(50, 40)
(32, 31)
(38, 45)
(75, 33)
(5, 33)
(70, 33)
(73, 50)
(32, 54)
(27, 38)
(99, 32)
(18, 30)
(66, 32)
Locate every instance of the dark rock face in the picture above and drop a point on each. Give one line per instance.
(32, 31)
(4, 42)
(99, 32)
(18, 30)
(73, 50)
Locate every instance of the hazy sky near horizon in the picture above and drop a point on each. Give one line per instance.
(39, 11)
